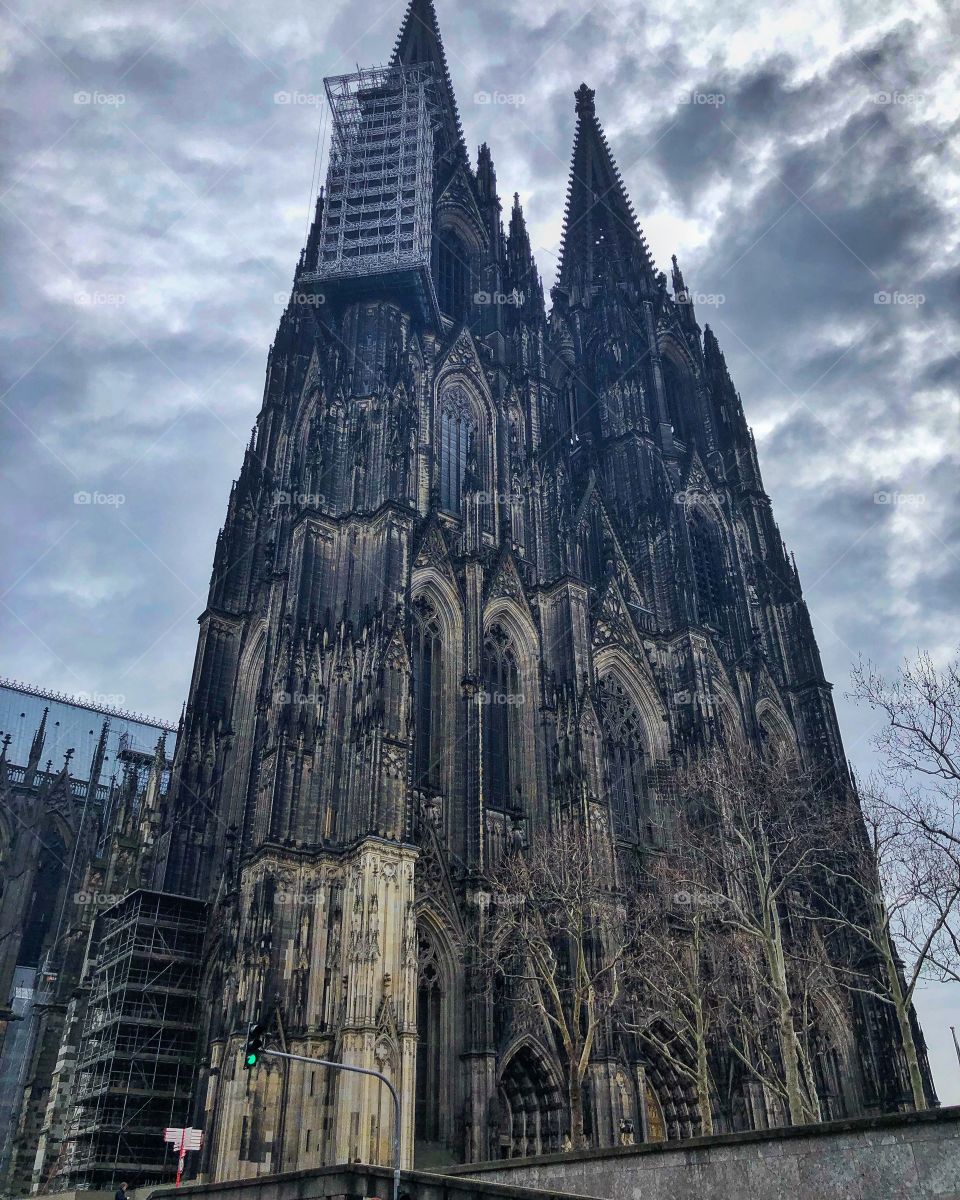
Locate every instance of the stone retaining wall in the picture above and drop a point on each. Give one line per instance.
(356, 1182)
(914, 1156)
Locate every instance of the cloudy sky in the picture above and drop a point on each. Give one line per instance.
(801, 160)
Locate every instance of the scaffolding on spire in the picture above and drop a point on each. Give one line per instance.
(378, 199)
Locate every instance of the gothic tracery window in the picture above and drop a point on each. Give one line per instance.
(428, 1116)
(453, 276)
(455, 439)
(503, 697)
(47, 882)
(427, 696)
(624, 758)
(680, 396)
(776, 742)
(707, 571)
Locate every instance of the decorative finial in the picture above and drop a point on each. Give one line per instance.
(584, 97)
(679, 288)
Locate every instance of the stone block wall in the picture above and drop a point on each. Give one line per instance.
(912, 1156)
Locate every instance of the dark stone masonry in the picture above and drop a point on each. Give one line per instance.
(485, 566)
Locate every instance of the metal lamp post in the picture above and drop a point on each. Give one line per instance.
(323, 1062)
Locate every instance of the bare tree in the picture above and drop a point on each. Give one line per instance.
(894, 892)
(751, 835)
(907, 871)
(676, 977)
(555, 927)
(919, 743)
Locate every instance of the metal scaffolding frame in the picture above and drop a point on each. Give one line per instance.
(136, 1065)
(379, 194)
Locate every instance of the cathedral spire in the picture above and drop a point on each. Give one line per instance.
(602, 242)
(519, 239)
(96, 766)
(419, 42)
(486, 173)
(522, 275)
(36, 746)
(683, 297)
(679, 287)
(4, 765)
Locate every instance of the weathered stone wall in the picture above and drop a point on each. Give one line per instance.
(905, 1157)
(354, 1181)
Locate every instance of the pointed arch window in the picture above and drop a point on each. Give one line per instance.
(457, 431)
(502, 736)
(625, 765)
(776, 741)
(427, 696)
(431, 1002)
(47, 882)
(453, 276)
(595, 547)
(707, 571)
(680, 395)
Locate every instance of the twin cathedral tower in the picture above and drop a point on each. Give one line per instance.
(481, 564)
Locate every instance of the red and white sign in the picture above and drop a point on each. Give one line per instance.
(184, 1139)
(191, 1139)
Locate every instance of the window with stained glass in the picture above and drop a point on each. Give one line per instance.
(455, 438)
(625, 766)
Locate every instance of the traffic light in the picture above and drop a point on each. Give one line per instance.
(255, 1034)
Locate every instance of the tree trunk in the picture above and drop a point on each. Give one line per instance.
(913, 1062)
(791, 1073)
(703, 1088)
(902, 1008)
(575, 1092)
(789, 1050)
(814, 1111)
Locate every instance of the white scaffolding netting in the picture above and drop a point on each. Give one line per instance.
(376, 213)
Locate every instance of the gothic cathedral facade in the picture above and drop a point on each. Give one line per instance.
(480, 558)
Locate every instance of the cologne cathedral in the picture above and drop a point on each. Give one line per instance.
(481, 557)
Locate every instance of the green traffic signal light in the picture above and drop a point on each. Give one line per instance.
(255, 1035)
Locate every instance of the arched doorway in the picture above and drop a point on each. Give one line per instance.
(669, 1102)
(530, 1105)
(656, 1130)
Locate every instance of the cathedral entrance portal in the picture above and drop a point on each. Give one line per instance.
(531, 1106)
